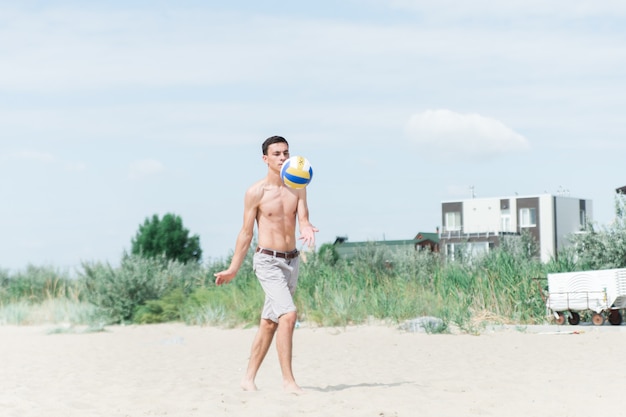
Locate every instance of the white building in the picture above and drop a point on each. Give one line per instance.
(477, 224)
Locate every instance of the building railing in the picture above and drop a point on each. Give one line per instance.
(459, 234)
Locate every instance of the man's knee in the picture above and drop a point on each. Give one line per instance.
(289, 319)
(268, 325)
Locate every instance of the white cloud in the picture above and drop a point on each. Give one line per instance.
(464, 134)
(145, 168)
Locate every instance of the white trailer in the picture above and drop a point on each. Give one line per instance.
(602, 292)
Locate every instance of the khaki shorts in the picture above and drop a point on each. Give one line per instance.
(278, 278)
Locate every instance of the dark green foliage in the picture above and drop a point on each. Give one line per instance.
(166, 309)
(328, 253)
(166, 237)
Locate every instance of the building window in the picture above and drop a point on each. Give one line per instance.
(583, 220)
(505, 221)
(505, 224)
(453, 221)
(454, 251)
(528, 217)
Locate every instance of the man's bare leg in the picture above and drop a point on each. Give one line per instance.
(284, 345)
(260, 346)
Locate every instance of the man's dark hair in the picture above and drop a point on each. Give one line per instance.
(271, 140)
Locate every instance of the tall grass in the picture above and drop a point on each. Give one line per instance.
(36, 284)
(377, 284)
(55, 311)
(396, 286)
(506, 285)
(44, 295)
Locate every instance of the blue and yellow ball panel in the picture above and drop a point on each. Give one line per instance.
(296, 172)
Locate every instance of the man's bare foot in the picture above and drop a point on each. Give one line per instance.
(248, 385)
(293, 388)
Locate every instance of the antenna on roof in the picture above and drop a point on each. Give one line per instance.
(562, 192)
(472, 189)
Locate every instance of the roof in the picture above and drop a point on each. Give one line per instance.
(424, 237)
(379, 243)
(419, 238)
(346, 248)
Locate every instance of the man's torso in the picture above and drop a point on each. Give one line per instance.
(276, 217)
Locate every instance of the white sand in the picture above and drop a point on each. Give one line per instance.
(178, 370)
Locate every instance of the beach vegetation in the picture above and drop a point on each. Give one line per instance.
(166, 237)
(140, 287)
(507, 285)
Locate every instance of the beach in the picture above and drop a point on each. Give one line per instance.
(369, 370)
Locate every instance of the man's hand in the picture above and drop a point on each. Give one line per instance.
(224, 277)
(307, 235)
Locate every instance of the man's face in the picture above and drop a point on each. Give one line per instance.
(277, 153)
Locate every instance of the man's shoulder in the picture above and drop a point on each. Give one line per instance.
(256, 189)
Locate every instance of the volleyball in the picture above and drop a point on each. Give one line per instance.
(296, 172)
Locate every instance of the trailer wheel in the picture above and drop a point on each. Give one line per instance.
(615, 317)
(574, 318)
(560, 318)
(597, 319)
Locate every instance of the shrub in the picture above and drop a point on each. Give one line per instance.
(121, 291)
(166, 309)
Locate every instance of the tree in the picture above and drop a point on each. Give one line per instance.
(166, 237)
(328, 253)
(603, 247)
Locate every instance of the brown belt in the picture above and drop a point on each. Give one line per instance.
(284, 255)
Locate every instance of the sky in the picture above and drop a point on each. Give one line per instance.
(113, 111)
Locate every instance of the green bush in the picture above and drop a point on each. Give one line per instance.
(603, 247)
(121, 291)
(166, 309)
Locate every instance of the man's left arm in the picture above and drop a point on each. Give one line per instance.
(307, 230)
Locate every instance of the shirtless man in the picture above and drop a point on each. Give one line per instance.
(274, 207)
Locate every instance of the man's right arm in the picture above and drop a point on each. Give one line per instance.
(251, 203)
